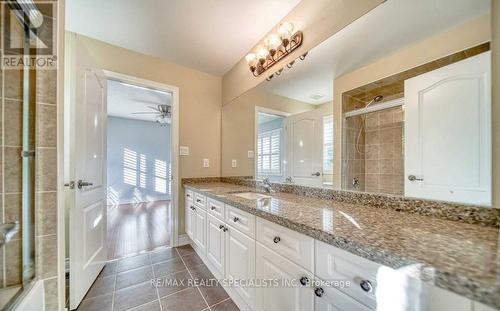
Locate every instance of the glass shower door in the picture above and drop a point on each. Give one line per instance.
(17, 264)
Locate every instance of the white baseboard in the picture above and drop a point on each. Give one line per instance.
(242, 305)
(183, 240)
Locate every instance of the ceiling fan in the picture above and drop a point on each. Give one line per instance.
(163, 113)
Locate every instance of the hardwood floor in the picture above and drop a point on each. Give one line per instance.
(134, 228)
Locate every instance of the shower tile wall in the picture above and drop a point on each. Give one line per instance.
(384, 164)
(354, 163)
(45, 214)
(11, 171)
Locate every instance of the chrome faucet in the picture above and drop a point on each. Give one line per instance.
(266, 184)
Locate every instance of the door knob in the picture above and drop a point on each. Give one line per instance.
(413, 178)
(81, 184)
(317, 174)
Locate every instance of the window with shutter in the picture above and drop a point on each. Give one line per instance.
(328, 144)
(269, 152)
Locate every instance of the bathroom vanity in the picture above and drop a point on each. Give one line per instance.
(376, 256)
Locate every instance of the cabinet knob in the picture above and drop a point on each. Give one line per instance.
(235, 219)
(318, 291)
(225, 229)
(366, 286)
(188, 195)
(198, 200)
(212, 208)
(414, 178)
(192, 207)
(276, 239)
(304, 280)
(221, 226)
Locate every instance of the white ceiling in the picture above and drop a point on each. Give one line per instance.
(384, 30)
(208, 35)
(124, 99)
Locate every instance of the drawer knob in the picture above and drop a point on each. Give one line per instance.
(221, 226)
(198, 200)
(212, 208)
(318, 291)
(236, 219)
(304, 280)
(192, 207)
(276, 239)
(366, 286)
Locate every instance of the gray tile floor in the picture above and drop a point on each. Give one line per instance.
(126, 284)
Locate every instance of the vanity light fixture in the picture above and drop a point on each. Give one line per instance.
(274, 48)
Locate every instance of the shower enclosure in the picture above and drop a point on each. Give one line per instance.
(373, 153)
(17, 236)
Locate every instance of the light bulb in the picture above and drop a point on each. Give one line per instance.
(262, 53)
(285, 30)
(273, 42)
(251, 59)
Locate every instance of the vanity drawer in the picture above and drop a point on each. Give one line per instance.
(333, 263)
(189, 195)
(240, 220)
(290, 244)
(200, 200)
(215, 208)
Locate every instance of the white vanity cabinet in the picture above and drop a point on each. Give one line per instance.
(199, 229)
(189, 214)
(240, 262)
(237, 245)
(216, 243)
(271, 266)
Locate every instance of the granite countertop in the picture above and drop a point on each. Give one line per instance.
(457, 256)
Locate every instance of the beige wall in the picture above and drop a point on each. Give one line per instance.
(456, 39)
(495, 40)
(318, 20)
(199, 105)
(238, 127)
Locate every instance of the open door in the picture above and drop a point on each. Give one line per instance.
(448, 133)
(85, 161)
(304, 155)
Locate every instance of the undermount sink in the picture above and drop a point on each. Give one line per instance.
(251, 195)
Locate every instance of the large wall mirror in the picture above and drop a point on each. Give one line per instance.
(400, 107)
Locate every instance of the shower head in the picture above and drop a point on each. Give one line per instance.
(375, 99)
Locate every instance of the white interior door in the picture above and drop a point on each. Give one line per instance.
(304, 148)
(448, 133)
(87, 166)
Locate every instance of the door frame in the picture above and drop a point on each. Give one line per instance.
(256, 131)
(174, 133)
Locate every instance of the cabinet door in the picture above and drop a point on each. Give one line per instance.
(330, 299)
(189, 218)
(272, 266)
(216, 243)
(199, 231)
(240, 262)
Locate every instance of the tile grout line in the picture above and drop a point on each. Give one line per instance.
(154, 277)
(189, 271)
(115, 275)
